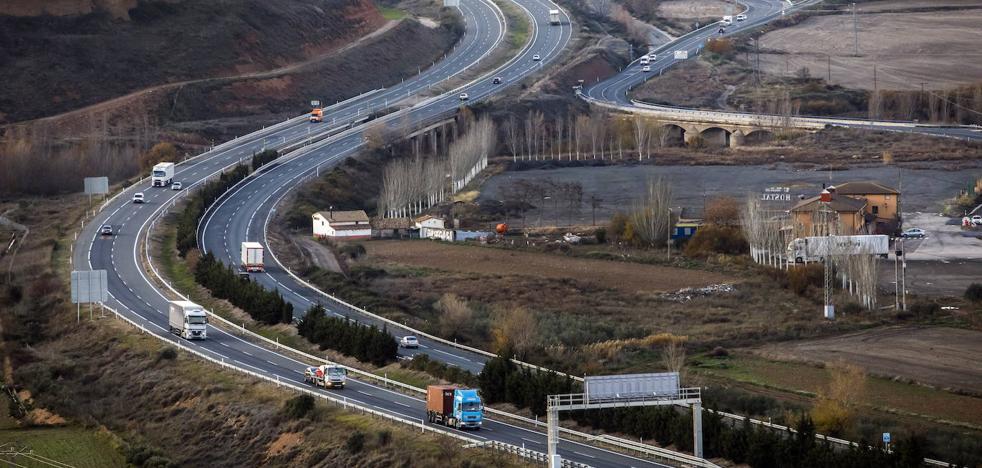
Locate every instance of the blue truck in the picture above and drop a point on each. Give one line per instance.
(453, 406)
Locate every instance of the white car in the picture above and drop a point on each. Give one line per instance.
(913, 233)
(652, 56)
(741, 17)
(409, 341)
(977, 220)
(645, 69)
(536, 58)
(464, 96)
(138, 197)
(176, 186)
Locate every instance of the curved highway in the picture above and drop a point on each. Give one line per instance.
(140, 298)
(613, 92)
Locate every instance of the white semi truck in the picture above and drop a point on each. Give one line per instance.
(252, 257)
(188, 320)
(554, 17)
(163, 174)
(813, 249)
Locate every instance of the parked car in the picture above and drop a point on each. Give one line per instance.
(138, 197)
(176, 186)
(645, 69)
(106, 230)
(914, 233)
(464, 96)
(536, 58)
(409, 341)
(496, 80)
(977, 220)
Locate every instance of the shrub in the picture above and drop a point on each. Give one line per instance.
(601, 234)
(187, 224)
(167, 353)
(356, 442)
(260, 303)
(353, 251)
(422, 362)
(261, 159)
(384, 437)
(851, 308)
(719, 351)
(924, 309)
(974, 292)
(712, 239)
(298, 406)
(800, 277)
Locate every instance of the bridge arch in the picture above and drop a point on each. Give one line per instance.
(716, 136)
(673, 135)
(758, 136)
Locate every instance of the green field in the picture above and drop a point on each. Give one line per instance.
(73, 445)
(391, 13)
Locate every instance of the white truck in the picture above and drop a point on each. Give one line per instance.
(252, 257)
(188, 320)
(163, 174)
(554, 17)
(813, 249)
(327, 376)
(728, 20)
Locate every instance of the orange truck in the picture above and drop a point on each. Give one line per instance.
(317, 115)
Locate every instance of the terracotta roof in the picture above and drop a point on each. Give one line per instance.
(392, 223)
(839, 204)
(868, 187)
(344, 216)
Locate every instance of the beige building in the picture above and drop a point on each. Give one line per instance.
(882, 204)
(342, 225)
(848, 217)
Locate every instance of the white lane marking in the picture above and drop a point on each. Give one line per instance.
(583, 454)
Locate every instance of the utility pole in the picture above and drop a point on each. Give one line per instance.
(903, 275)
(829, 67)
(855, 32)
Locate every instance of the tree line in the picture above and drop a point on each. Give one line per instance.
(263, 158)
(187, 222)
(261, 304)
(502, 381)
(365, 343)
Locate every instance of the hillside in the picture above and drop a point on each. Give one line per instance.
(50, 64)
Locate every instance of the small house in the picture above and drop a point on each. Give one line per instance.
(342, 225)
(432, 227)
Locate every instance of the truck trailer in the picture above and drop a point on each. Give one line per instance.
(327, 376)
(454, 406)
(554, 17)
(813, 249)
(252, 257)
(163, 174)
(188, 320)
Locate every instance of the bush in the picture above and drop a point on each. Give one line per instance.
(365, 343)
(423, 363)
(167, 353)
(384, 437)
(711, 239)
(719, 351)
(503, 381)
(800, 277)
(851, 308)
(601, 234)
(298, 406)
(353, 251)
(261, 159)
(356, 442)
(187, 224)
(924, 309)
(974, 292)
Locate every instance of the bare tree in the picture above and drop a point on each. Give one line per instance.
(673, 356)
(455, 315)
(641, 134)
(651, 218)
(512, 136)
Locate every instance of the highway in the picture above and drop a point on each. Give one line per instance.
(141, 298)
(613, 92)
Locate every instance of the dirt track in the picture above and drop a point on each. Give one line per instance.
(627, 277)
(938, 48)
(941, 357)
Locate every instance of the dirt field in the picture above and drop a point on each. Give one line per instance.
(687, 9)
(626, 277)
(940, 357)
(938, 48)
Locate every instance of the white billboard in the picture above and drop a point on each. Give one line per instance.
(96, 185)
(681, 54)
(89, 286)
(631, 386)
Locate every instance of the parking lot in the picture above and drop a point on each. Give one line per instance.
(944, 241)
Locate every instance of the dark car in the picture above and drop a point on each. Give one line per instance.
(496, 80)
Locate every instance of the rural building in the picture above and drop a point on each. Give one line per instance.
(394, 228)
(342, 225)
(882, 204)
(685, 228)
(850, 213)
(431, 227)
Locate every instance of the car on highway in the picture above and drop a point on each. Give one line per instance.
(913, 233)
(977, 220)
(409, 341)
(646, 69)
(652, 56)
(176, 186)
(741, 17)
(536, 58)
(106, 230)
(464, 96)
(138, 197)
(496, 80)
